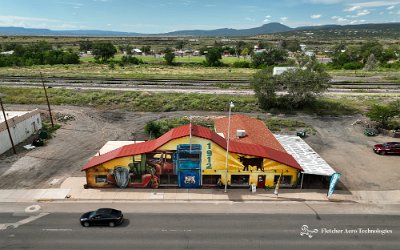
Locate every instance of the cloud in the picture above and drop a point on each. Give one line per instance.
(250, 19)
(390, 7)
(352, 8)
(371, 4)
(267, 19)
(323, 1)
(363, 13)
(316, 16)
(29, 19)
(284, 18)
(339, 19)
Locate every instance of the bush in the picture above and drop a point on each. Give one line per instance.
(241, 64)
(353, 65)
(126, 60)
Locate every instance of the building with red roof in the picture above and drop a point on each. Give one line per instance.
(248, 130)
(192, 156)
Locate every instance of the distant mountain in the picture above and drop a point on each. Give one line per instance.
(47, 32)
(382, 28)
(265, 29)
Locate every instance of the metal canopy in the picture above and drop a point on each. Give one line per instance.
(308, 159)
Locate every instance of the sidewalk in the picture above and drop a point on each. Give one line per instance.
(72, 190)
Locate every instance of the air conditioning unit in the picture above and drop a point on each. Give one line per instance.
(240, 133)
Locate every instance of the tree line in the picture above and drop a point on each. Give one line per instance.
(40, 53)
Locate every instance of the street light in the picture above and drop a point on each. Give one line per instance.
(5, 119)
(227, 145)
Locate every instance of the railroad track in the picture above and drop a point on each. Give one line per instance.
(241, 87)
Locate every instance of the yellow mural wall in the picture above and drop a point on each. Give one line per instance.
(213, 162)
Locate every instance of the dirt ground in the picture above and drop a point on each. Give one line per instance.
(340, 143)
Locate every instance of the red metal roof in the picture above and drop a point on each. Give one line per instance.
(197, 131)
(256, 131)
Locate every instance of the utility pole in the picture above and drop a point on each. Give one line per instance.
(8, 128)
(47, 99)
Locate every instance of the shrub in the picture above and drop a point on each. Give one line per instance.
(241, 64)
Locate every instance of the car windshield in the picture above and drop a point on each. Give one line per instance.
(386, 145)
(92, 214)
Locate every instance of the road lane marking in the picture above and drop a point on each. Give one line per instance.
(33, 208)
(175, 230)
(21, 222)
(57, 229)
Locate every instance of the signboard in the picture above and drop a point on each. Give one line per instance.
(334, 180)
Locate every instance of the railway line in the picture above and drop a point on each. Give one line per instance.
(233, 87)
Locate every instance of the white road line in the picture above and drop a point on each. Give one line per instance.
(21, 222)
(57, 229)
(175, 230)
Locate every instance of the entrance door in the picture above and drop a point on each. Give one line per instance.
(188, 162)
(261, 181)
(189, 179)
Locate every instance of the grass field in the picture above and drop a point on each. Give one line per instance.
(143, 71)
(156, 102)
(178, 59)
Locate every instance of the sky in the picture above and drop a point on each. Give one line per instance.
(159, 16)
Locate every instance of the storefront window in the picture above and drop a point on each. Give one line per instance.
(285, 180)
(211, 179)
(239, 180)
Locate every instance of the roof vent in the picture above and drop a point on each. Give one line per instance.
(240, 133)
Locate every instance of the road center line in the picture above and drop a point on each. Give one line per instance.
(57, 229)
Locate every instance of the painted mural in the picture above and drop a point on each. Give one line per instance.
(202, 163)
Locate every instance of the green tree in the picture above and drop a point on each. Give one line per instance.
(382, 114)
(85, 45)
(180, 44)
(302, 87)
(146, 49)
(103, 51)
(291, 45)
(169, 56)
(245, 52)
(265, 86)
(213, 57)
(269, 57)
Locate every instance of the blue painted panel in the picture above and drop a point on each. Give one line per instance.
(189, 178)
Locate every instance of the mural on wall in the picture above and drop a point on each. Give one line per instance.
(144, 171)
(203, 163)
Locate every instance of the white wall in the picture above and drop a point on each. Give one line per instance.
(19, 131)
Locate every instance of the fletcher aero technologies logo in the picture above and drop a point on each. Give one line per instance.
(306, 231)
(323, 230)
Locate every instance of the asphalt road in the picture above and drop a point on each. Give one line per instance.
(202, 231)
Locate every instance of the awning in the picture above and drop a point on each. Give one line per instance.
(308, 159)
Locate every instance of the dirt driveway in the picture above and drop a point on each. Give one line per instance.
(342, 145)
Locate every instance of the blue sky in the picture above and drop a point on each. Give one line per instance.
(157, 16)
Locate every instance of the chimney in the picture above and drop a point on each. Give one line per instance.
(240, 133)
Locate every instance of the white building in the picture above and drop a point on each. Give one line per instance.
(22, 125)
(281, 70)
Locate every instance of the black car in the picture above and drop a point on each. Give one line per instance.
(102, 217)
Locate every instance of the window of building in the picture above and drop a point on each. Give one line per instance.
(211, 179)
(169, 179)
(286, 180)
(240, 180)
(101, 178)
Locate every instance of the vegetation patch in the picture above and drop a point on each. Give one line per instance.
(157, 128)
(277, 124)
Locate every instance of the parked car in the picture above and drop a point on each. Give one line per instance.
(387, 148)
(102, 217)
